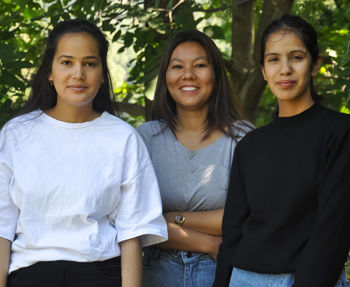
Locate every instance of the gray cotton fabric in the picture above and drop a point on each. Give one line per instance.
(188, 180)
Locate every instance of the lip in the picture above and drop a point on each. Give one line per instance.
(286, 83)
(189, 88)
(78, 88)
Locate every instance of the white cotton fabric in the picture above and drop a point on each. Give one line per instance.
(73, 191)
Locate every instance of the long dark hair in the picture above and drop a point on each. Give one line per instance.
(222, 112)
(304, 31)
(43, 95)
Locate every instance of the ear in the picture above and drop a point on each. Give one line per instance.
(263, 72)
(316, 66)
(50, 77)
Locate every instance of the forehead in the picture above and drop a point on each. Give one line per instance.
(187, 50)
(77, 43)
(284, 40)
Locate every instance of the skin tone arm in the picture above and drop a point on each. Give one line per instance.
(202, 221)
(4, 260)
(182, 238)
(201, 231)
(131, 262)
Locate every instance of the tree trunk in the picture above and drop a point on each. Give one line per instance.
(248, 83)
(148, 102)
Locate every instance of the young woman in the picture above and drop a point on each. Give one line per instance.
(77, 188)
(191, 144)
(286, 219)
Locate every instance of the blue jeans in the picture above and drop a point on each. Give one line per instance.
(172, 268)
(243, 278)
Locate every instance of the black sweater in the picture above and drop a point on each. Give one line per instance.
(288, 204)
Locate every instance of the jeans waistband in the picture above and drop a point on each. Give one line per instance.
(180, 255)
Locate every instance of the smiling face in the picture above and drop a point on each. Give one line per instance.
(189, 77)
(76, 70)
(287, 70)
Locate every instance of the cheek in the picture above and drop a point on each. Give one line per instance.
(97, 78)
(207, 77)
(269, 73)
(170, 79)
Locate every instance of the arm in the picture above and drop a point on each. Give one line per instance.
(325, 253)
(183, 238)
(235, 213)
(4, 260)
(131, 262)
(202, 221)
(8, 211)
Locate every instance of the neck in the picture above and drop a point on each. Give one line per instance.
(288, 109)
(191, 121)
(72, 114)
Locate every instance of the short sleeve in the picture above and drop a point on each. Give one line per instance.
(8, 210)
(140, 210)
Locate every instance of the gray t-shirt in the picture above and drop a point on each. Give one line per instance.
(188, 180)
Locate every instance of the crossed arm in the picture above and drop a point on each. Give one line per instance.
(201, 231)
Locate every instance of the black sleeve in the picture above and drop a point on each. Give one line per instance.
(235, 213)
(324, 255)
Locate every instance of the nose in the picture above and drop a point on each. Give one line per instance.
(79, 72)
(188, 73)
(286, 67)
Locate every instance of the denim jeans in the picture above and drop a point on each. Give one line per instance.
(243, 278)
(172, 268)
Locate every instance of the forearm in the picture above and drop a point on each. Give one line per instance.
(4, 260)
(131, 262)
(202, 221)
(182, 238)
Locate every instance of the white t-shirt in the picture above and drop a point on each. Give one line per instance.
(73, 191)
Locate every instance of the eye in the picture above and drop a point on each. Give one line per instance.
(176, 67)
(297, 57)
(272, 59)
(201, 65)
(66, 62)
(91, 64)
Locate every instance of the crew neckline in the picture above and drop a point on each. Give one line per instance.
(56, 122)
(303, 115)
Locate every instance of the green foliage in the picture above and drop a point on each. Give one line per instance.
(147, 28)
(24, 25)
(332, 22)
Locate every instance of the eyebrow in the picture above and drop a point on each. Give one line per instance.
(291, 52)
(71, 57)
(199, 58)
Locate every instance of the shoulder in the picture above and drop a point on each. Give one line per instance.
(335, 122)
(241, 128)
(19, 125)
(149, 129)
(255, 135)
(118, 125)
(338, 117)
(22, 119)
